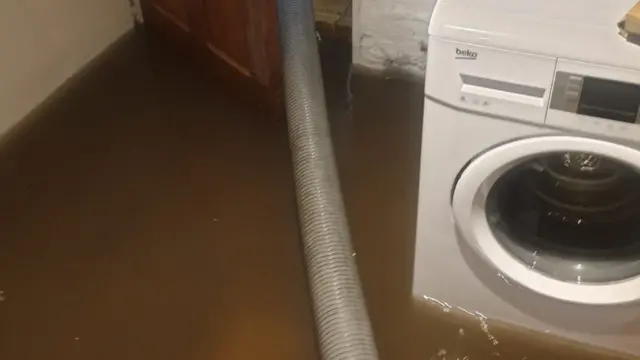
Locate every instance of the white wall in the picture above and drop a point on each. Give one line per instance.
(44, 42)
(391, 35)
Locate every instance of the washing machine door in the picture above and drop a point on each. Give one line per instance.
(559, 215)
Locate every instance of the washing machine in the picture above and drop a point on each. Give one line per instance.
(529, 202)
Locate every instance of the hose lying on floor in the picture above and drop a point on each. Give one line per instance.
(342, 323)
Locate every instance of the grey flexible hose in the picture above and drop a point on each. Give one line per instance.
(342, 324)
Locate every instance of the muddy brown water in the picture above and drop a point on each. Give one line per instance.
(144, 214)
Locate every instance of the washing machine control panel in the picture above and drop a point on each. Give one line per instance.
(601, 100)
(596, 97)
(561, 93)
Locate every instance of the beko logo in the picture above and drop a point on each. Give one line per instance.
(466, 54)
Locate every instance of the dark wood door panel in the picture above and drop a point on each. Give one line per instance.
(262, 40)
(234, 40)
(226, 24)
(174, 11)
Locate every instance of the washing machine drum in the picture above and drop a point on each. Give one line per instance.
(556, 214)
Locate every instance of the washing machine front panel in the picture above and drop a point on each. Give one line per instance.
(499, 127)
(450, 271)
(558, 215)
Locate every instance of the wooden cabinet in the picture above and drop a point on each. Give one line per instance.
(235, 40)
(227, 32)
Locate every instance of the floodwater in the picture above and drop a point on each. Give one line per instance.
(441, 333)
(146, 215)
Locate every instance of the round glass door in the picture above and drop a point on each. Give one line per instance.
(574, 216)
(559, 215)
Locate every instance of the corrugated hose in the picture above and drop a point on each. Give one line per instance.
(342, 323)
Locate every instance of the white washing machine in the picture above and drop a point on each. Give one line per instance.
(529, 208)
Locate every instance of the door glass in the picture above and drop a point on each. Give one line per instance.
(572, 216)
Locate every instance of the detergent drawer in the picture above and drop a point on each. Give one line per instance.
(489, 80)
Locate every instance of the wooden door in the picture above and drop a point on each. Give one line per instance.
(236, 40)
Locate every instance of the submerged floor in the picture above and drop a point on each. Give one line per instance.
(147, 215)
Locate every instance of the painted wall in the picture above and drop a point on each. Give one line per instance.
(391, 35)
(44, 42)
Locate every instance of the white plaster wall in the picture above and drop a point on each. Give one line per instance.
(391, 35)
(44, 42)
